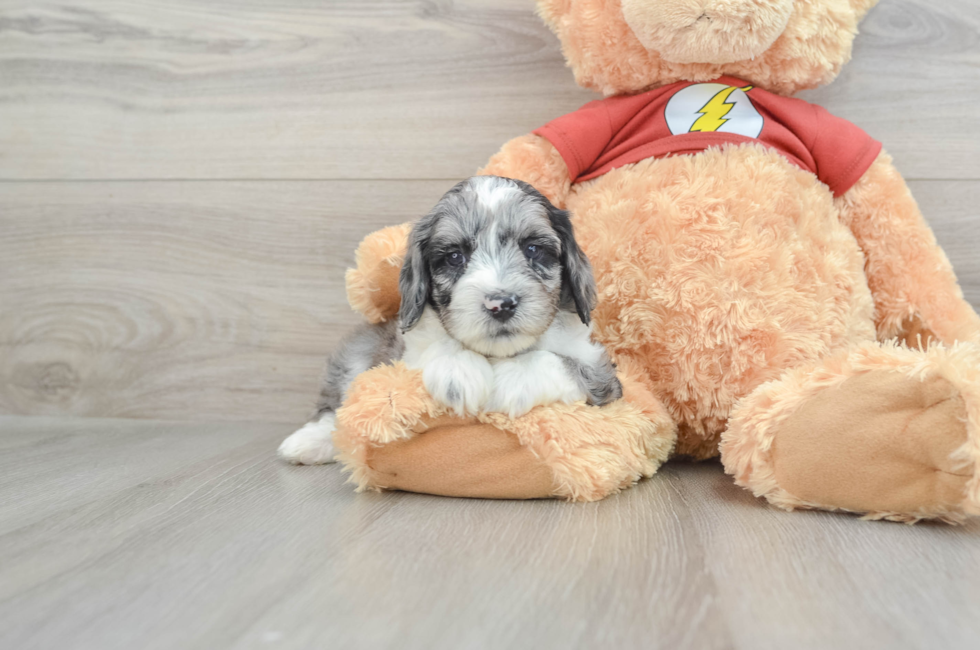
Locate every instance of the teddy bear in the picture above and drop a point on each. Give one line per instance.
(767, 285)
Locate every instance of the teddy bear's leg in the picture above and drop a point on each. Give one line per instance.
(461, 459)
(882, 430)
(392, 434)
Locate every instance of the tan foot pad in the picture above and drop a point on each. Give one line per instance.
(879, 442)
(476, 460)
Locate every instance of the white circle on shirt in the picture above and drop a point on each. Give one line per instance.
(703, 108)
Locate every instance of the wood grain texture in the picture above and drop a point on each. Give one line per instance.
(181, 300)
(120, 89)
(121, 534)
(220, 300)
(953, 210)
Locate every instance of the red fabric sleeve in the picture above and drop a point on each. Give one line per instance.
(580, 136)
(841, 151)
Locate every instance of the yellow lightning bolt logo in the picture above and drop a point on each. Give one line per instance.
(713, 113)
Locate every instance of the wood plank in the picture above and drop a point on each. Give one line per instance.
(181, 300)
(293, 89)
(121, 89)
(230, 548)
(952, 209)
(905, 85)
(803, 571)
(215, 300)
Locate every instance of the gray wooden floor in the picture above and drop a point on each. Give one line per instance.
(182, 184)
(130, 534)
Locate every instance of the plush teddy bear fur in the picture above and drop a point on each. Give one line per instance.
(394, 435)
(607, 56)
(744, 303)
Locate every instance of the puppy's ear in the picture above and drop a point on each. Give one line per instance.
(577, 282)
(414, 282)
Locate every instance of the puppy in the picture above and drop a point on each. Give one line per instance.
(496, 297)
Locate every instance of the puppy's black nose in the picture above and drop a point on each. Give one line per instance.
(501, 307)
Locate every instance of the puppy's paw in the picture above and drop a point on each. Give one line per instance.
(528, 380)
(511, 396)
(461, 381)
(312, 444)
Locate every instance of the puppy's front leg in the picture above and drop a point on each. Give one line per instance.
(312, 444)
(457, 377)
(531, 379)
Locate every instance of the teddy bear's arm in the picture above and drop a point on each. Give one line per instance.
(913, 284)
(534, 160)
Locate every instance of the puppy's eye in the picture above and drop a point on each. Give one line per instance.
(536, 253)
(456, 258)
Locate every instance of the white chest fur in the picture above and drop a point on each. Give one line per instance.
(469, 383)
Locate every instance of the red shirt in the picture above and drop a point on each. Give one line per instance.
(688, 117)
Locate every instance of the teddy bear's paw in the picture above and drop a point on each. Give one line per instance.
(461, 381)
(532, 379)
(311, 444)
(899, 444)
(886, 431)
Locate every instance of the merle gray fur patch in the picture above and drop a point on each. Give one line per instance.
(598, 381)
(364, 348)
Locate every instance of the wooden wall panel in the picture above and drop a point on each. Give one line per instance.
(121, 89)
(181, 300)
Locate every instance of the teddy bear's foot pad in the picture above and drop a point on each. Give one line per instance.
(881, 442)
(463, 461)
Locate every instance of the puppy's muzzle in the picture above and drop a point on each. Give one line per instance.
(501, 307)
